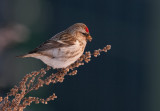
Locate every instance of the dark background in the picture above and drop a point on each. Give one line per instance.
(127, 78)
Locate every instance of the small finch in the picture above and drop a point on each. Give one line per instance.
(64, 48)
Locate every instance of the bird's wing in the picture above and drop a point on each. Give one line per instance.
(64, 37)
(61, 39)
(50, 44)
(58, 41)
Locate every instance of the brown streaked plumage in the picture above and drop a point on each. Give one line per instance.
(64, 48)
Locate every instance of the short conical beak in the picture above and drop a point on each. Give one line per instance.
(89, 38)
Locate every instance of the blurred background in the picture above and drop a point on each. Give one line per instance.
(127, 78)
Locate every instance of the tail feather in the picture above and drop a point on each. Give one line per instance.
(26, 55)
(22, 56)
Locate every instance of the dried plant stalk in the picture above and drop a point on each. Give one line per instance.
(16, 99)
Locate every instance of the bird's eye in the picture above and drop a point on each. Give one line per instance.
(85, 34)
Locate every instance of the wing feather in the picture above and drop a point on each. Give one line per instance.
(61, 39)
(50, 44)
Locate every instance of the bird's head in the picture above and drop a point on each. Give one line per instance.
(81, 30)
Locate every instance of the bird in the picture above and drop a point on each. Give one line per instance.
(64, 48)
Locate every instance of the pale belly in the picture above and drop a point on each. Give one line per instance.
(63, 57)
(61, 62)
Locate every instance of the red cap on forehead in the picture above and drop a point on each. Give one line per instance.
(87, 30)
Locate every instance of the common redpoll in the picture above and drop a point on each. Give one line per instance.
(64, 48)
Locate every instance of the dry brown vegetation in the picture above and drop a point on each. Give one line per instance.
(16, 99)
